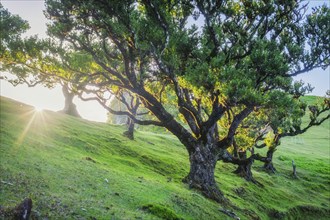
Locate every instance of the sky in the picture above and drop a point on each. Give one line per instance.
(38, 96)
(53, 99)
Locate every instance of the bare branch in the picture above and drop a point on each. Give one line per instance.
(126, 113)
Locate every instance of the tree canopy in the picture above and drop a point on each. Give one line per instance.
(12, 26)
(30, 60)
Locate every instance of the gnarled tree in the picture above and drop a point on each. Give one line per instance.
(240, 59)
(289, 123)
(269, 125)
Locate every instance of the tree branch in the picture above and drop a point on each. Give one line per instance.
(228, 140)
(126, 113)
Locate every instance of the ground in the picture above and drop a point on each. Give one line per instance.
(76, 169)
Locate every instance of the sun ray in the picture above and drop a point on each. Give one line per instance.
(37, 122)
(26, 129)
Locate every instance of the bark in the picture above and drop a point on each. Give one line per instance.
(241, 167)
(201, 175)
(244, 169)
(130, 129)
(268, 165)
(244, 164)
(235, 152)
(69, 107)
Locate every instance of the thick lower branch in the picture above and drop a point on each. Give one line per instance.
(238, 161)
(167, 119)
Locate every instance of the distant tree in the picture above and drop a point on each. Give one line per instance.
(241, 61)
(69, 107)
(289, 123)
(26, 60)
(268, 126)
(124, 101)
(117, 119)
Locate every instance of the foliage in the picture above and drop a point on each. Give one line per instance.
(24, 57)
(11, 28)
(242, 55)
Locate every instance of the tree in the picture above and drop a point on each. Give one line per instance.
(22, 58)
(241, 60)
(289, 123)
(127, 102)
(270, 125)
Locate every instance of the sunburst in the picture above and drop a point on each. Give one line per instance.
(38, 109)
(36, 122)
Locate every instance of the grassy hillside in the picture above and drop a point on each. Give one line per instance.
(76, 169)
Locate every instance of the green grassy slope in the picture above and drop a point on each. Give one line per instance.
(76, 169)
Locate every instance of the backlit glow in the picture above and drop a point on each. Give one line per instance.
(38, 108)
(35, 122)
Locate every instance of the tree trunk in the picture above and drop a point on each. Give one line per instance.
(201, 175)
(130, 129)
(268, 166)
(244, 169)
(294, 170)
(241, 167)
(130, 123)
(202, 154)
(69, 107)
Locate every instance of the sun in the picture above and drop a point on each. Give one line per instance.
(38, 109)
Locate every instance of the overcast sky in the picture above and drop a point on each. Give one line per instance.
(52, 99)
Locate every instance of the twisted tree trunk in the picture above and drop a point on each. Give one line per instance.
(245, 164)
(244, 169)
(268, 165)
(204, 151)
(201, 174)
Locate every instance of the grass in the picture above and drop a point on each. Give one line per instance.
(76, 169)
